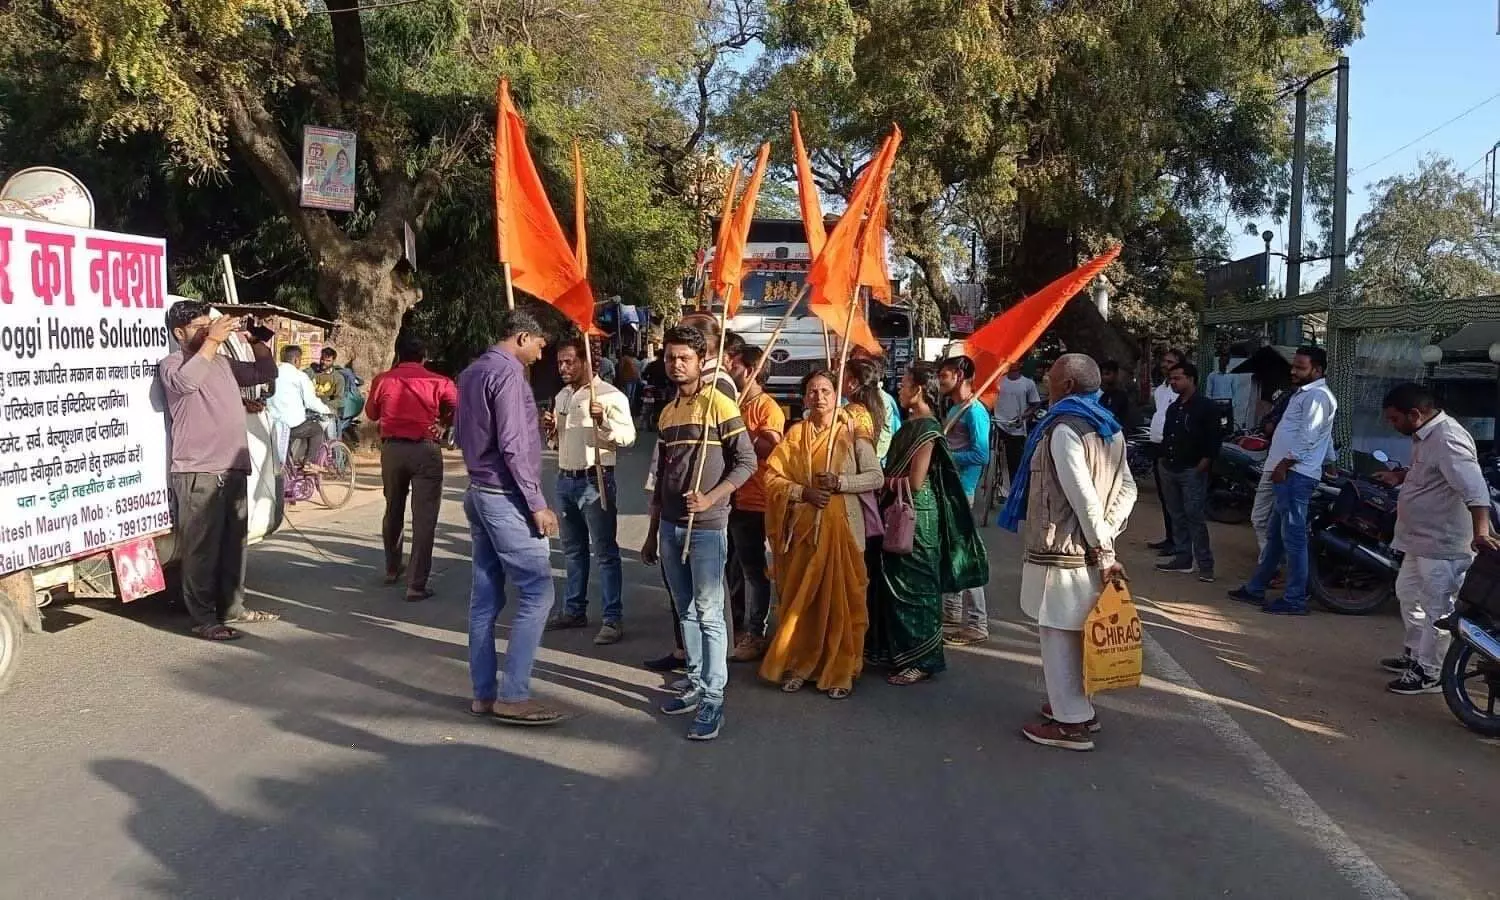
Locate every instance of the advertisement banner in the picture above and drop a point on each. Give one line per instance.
(328, 168)
(83, 449)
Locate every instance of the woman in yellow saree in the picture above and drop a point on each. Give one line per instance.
(816, 525)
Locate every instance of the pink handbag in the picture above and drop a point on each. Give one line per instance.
(900, 522)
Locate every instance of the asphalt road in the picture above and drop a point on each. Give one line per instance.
(328, 755)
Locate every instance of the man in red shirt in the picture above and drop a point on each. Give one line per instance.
(412, 405)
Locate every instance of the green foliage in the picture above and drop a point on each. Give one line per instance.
(1426, 237)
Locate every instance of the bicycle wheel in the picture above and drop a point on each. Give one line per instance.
(336, 486)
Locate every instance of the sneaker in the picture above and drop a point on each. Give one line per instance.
(706, 724)
(668, 663)
(1416, 681)
(1056, 734)
(1180, 566)
(1092, 726)
(1206, 577)
(748, 648)
(965, 636)
(1398, 665)
(683, 703)
(1283, 608)
(681, 685)
(610, 633)
(1162, 546)
(1163, 559)
(1245, 596)
(563, 621)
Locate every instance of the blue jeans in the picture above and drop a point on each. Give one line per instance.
(584, 525)
(506, 545)
(697, 588)
(1287, 537)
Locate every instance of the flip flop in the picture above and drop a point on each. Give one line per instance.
(216, 633)
(538, 715)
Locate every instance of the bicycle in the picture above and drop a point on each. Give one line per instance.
(334, 485)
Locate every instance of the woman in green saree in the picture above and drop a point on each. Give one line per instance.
(906, 590)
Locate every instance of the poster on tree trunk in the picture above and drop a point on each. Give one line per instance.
(328, 168)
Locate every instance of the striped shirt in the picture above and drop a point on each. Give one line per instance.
(730, 455)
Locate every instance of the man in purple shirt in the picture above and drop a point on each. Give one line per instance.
(211, 464)
(508, 519)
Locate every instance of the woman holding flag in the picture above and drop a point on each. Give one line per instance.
(816, 525)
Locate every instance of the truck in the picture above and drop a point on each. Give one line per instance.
(776, 266)
(85, 508)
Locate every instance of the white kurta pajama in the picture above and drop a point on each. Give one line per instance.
(1059, 599)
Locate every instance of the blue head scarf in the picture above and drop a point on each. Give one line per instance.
(1084, 406)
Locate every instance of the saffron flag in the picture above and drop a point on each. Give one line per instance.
(580, 232)
(726, 225)
(1002, 342)
(807, 194)
(732, 271)
(527, 233)
(835, 274)
(874, 273)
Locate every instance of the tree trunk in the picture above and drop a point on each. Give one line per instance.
(1046, 252)
(367, 296)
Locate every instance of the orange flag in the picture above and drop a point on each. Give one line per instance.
(580, 232)
(807, 194)
(732, 272)
(528, 235)
(1002, 342)
(726, 225)
(874, 273)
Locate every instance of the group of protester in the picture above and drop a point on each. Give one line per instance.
(856, 519)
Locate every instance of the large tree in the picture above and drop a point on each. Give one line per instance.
(224, 88)
(1088, 122)
(1427, 236)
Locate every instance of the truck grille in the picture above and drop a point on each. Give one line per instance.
(794, 368)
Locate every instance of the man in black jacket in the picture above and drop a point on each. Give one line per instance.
(1189, 444)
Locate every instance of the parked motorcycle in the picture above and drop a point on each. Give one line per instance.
(1234, 478)
(1471, 670)
(1351, 564)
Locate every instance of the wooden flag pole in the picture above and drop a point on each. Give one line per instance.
(838, 394)
(713, 388)
(510, 294)
(978, 392)
(776, 335)
(588, 361)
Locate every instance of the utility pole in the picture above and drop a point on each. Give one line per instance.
(1340, 182)
(1291, 328)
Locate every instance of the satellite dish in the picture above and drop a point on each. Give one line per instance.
(48, 194)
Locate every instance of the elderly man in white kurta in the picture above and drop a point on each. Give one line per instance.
(1078, 495)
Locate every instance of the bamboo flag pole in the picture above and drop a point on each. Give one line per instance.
(713, 390)
(588, 361)
(978, 393)
(502, 155)
(776, 335)
(838, 393)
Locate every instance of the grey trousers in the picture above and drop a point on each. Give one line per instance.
(211, 513)
(1264, 508)
(415, 469)
(1185, 495)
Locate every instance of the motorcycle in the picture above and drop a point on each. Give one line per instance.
(1351, 566)
(1473, 658)
(1234, 478)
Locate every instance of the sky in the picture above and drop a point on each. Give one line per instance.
(1420, 63)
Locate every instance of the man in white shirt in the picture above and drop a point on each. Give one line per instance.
(589, 423)
(292, 398)
(1162, 397)
(1018, 399)
(1442, 519)
(1303, 440)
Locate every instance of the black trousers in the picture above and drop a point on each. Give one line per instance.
(212, 517)
(415, 469)
(1155, 451)
(1015, 445)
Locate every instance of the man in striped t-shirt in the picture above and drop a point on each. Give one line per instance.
(697, 586)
